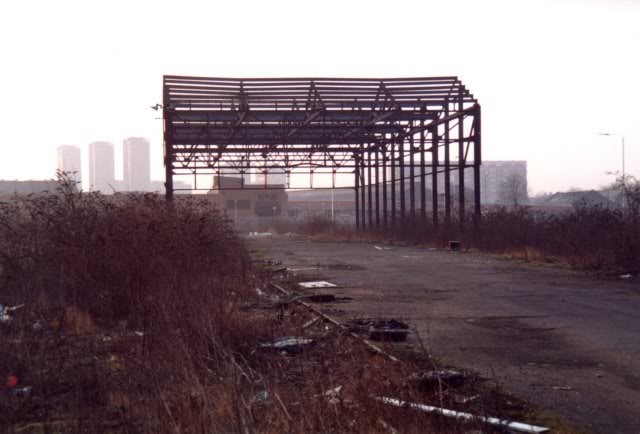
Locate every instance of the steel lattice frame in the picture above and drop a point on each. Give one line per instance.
(379, 129)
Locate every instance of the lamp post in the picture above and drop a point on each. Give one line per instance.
(622, 137)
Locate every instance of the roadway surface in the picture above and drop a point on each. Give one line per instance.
(565, 340)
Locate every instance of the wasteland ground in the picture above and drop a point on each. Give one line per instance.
(565, 340)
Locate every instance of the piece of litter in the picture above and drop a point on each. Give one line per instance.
(260, 397)
(562, 388)
(317, 284)
(311, 322)
(626, 276)
(515, 426)
(387, 334)
(467, 399)
(321, 298)
(301, 269)
(260, 234)
(333, 392)
(377, 247)
(431, 379)
(290, 344)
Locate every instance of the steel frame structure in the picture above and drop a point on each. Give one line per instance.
(391, 133)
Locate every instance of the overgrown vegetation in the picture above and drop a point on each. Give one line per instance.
(133, 321)
(592, 237)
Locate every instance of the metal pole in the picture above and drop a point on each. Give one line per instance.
(434, 175)
(423, 180)
(402, 192)
(369, 190)
(393, 185)
(447, 169)
(412, 185)
(477, 160)
(384, 189)
(377, 173)
(362, 188)
(356, 188)
(461, 163)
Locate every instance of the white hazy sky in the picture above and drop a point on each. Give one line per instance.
(550, 75)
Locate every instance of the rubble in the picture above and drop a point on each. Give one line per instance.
(289, 344)
(510, 425)
(317, 284)
(431, 379)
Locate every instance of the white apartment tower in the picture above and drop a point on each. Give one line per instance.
(101, 167)
(69, 161)
(137, 175)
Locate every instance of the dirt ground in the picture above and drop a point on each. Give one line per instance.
(565, 340)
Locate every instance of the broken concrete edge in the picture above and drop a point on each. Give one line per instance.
(514, 426)
(339, 325)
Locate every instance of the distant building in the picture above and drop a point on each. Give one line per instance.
(137, 174)
(574, 198)
(69, 161)
(501, 182)
(251, 205)
(26, 187)
(272, 176)
(101, 167)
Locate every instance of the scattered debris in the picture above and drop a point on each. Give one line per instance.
(382, 248)
(562, 388)
(22, 392)
(363, 325)
(260, 234)
(339, 325)
(260, 397)
(6, 313)
(514, 426)
(317, 284)
(321, 298)
(289, 344)
(431, 379)
(387, 334)
(455, 246)
(333, 393)
(311, 322)
(464, 400)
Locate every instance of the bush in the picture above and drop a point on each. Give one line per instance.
(111, 254)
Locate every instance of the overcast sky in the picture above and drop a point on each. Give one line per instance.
(549, 75)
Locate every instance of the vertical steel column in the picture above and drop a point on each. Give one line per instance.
(393, 184)
(461, 163)
(423, 179)
(356, 188)
(168, 152)
(434, 174)
(447, 168)
(377, 176)
(403, 203)
(477, 160)
(385, 219)
(369, 190)
(362, 190)
(412, 174)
